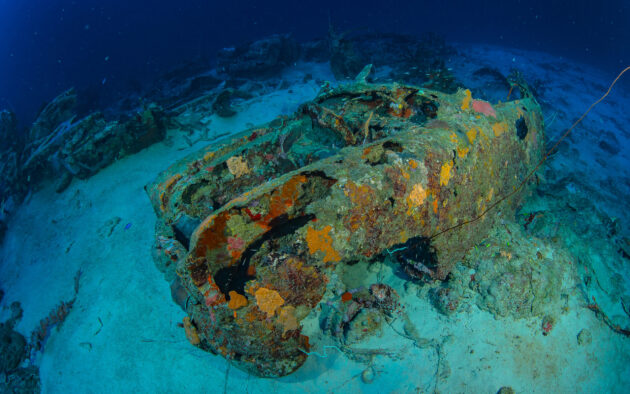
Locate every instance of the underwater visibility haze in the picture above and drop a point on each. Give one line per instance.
(314, 196)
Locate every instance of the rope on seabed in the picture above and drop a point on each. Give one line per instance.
(553, 117)
(532, 172)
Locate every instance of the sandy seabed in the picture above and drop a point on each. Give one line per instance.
(122, 334)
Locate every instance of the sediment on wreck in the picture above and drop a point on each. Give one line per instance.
(250, 228)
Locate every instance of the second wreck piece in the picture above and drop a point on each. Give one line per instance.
(249, 229)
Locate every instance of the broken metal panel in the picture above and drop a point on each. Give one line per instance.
(252, 226)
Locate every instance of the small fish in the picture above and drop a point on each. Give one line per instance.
(128, 226)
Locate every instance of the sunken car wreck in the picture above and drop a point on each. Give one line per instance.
(250, 229)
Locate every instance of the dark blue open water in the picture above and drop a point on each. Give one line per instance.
(47, 46)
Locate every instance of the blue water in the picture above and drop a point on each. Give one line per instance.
(47, 46)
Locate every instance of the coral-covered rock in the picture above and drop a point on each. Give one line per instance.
(345, 61)
(12, 348)
(259, 58)
(21, 380)
(519, 281)
(83, 147)
(60, 109)
(584, 337)
(222, 104)
(414, 60)
(8, 129)
(446, 300)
